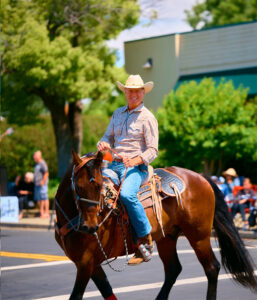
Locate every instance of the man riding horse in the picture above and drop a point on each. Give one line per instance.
(133, 133)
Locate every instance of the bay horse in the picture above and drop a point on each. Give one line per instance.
(203, 208)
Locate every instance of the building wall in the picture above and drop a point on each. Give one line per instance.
(218, 49)
(164, 72)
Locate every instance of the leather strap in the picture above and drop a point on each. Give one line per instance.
(80, 165)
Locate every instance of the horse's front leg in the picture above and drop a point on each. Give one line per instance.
(97, 274)
(100, 279)
(84, 273)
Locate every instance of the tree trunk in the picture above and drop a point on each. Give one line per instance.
(208, 167)
(67, 130)
(75, 119)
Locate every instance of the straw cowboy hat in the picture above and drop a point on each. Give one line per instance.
(135, 82)
(231, 172)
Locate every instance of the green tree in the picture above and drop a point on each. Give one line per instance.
(17, 149)
(202, 126)
(53, 55)
(219, 12)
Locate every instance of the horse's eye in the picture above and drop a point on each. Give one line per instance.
(92, 179)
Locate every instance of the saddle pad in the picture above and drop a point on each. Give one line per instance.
(167, 178)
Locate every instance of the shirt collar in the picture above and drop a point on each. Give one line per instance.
(137, 109)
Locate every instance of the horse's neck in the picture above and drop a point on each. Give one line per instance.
(66, 200)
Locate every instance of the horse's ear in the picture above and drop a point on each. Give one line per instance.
(75, 158)
(99, 159)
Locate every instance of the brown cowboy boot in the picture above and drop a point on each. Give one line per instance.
(144, 251)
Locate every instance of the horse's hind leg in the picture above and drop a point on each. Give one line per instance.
(210, 264)
(172, 267)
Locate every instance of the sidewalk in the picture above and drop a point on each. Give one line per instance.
(31, 221)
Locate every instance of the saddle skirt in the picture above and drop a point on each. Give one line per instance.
(163, 183)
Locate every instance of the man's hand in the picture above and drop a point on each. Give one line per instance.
(21, 192)
(243, 201)
(131, 162)
(102, 146)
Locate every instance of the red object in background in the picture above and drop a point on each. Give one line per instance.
(107, 156)
(238, 188)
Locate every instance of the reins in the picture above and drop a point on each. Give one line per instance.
(78, 198)
(108, 262)
(116, 199)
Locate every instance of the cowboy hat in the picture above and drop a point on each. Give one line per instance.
(135, 82)
(231, 172)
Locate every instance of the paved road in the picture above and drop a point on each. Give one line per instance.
(48, 277)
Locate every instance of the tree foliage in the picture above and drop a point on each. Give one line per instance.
(211, 13)
(17, 149)
(202, 126)
(54, 54)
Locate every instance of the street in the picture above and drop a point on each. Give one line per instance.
(34, 267)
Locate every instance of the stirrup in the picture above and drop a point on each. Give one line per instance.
(146, 251)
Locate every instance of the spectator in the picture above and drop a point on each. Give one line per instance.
(231, 179)
(220, 185)
(223, 186)
(253, 216)
(25, 191)
(241, 201)
(220, 182)
(41, 175)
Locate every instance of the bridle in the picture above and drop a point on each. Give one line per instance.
(78, 219)
(73, 186)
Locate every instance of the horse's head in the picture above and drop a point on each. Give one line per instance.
(87, 184)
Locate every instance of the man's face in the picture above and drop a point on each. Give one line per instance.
(134, 97)
(27, 179)
(247, 183)
(36, 157)
(228, 177)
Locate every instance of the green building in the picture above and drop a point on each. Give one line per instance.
(228, 52)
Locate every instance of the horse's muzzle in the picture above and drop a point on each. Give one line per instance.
(90, 230)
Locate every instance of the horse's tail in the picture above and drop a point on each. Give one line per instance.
(234, 256)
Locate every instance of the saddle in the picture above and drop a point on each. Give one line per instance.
(160, 184)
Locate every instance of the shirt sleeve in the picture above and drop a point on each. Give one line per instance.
(151, 135)
(44, 167)
(109, 133)
(236, 181)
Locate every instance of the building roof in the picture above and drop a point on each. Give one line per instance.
(192, 31)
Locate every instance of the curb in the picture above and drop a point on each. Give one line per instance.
(243, 234)
(27, 226)
(50, 226)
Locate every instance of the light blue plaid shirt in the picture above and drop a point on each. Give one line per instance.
(133, 133)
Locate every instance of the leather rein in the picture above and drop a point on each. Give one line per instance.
(76, 222)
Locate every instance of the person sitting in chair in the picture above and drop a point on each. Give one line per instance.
(242, 201)
(133, 133)
(25, 191)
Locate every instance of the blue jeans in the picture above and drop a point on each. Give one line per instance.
(128, 196)
(236, 207)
